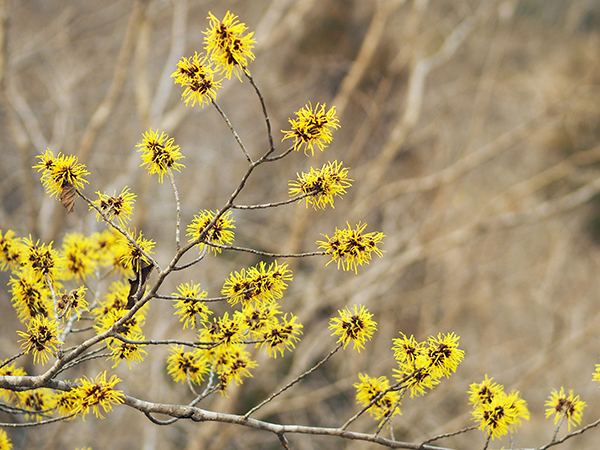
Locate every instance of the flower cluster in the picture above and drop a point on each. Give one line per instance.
(191, 308)
(41, 338)
(354, 325)
(116, 207)
(96, 393)
(227, 46)
(30, 296)
(49, 285)
(159, 153)
(322, 185)
(375, 394)
(232, 364)
(198, 78)
(497, 412)
(220, 233)
(280, 335)
(312, 127)
(79, 259)
(351, 248)
(258, 283)
(41, 260)
(61, 173)
(565, 406)
(37, 403)
(5, 442)
(182, 365)
(130, 329)
(421, 365)
(127, 352)
(11, 250)
(133, 256)
(73, 302)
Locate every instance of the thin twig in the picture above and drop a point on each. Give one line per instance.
(178, 210)
(294, 381)
(570, 435)
(268, 254)
(203, 300)
(11, 359)
(202, 345)
(35, 424)
(235, 135)
(196, 261)
(275, 204)
(487, 442)
(445, 435)
(265, 114)
(282, 155)
(283, 440)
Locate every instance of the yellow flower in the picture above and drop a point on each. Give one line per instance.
(132, 256)
(5, 443)
(11, 250)
(30, 295)
(159, 153)
(74, 301)
(38, 403)
(227, 46)
(182, 364)
(322, 185)
(66, 402)
(484, 392)
(42, 260)
(496, 412)
(60, 172)
(407, 350)
(312, 127)
(78, 255)
(119, 207)
(443, 354)
(124, 351)
(368, 389)
(259, 283)
(233, 363)
(220, 233)
(104, 244)
(198, 78)
(131, 327)
(354, 325)
(496, 417)
(93, 394)
(40, 339)
(115, 298)
(281, 336)
(351, 248)
(224, 330)
(260, 317)
(564, 405)
(189, 309)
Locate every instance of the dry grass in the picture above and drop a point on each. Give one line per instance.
(472, 134)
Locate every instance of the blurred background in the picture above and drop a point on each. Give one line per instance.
(472, 131)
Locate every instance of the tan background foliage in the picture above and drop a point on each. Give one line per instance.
(471, 129)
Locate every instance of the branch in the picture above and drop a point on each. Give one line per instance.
(201, 415)
(235, 135)
(275, 204)
(570, 435)
(268, 254)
